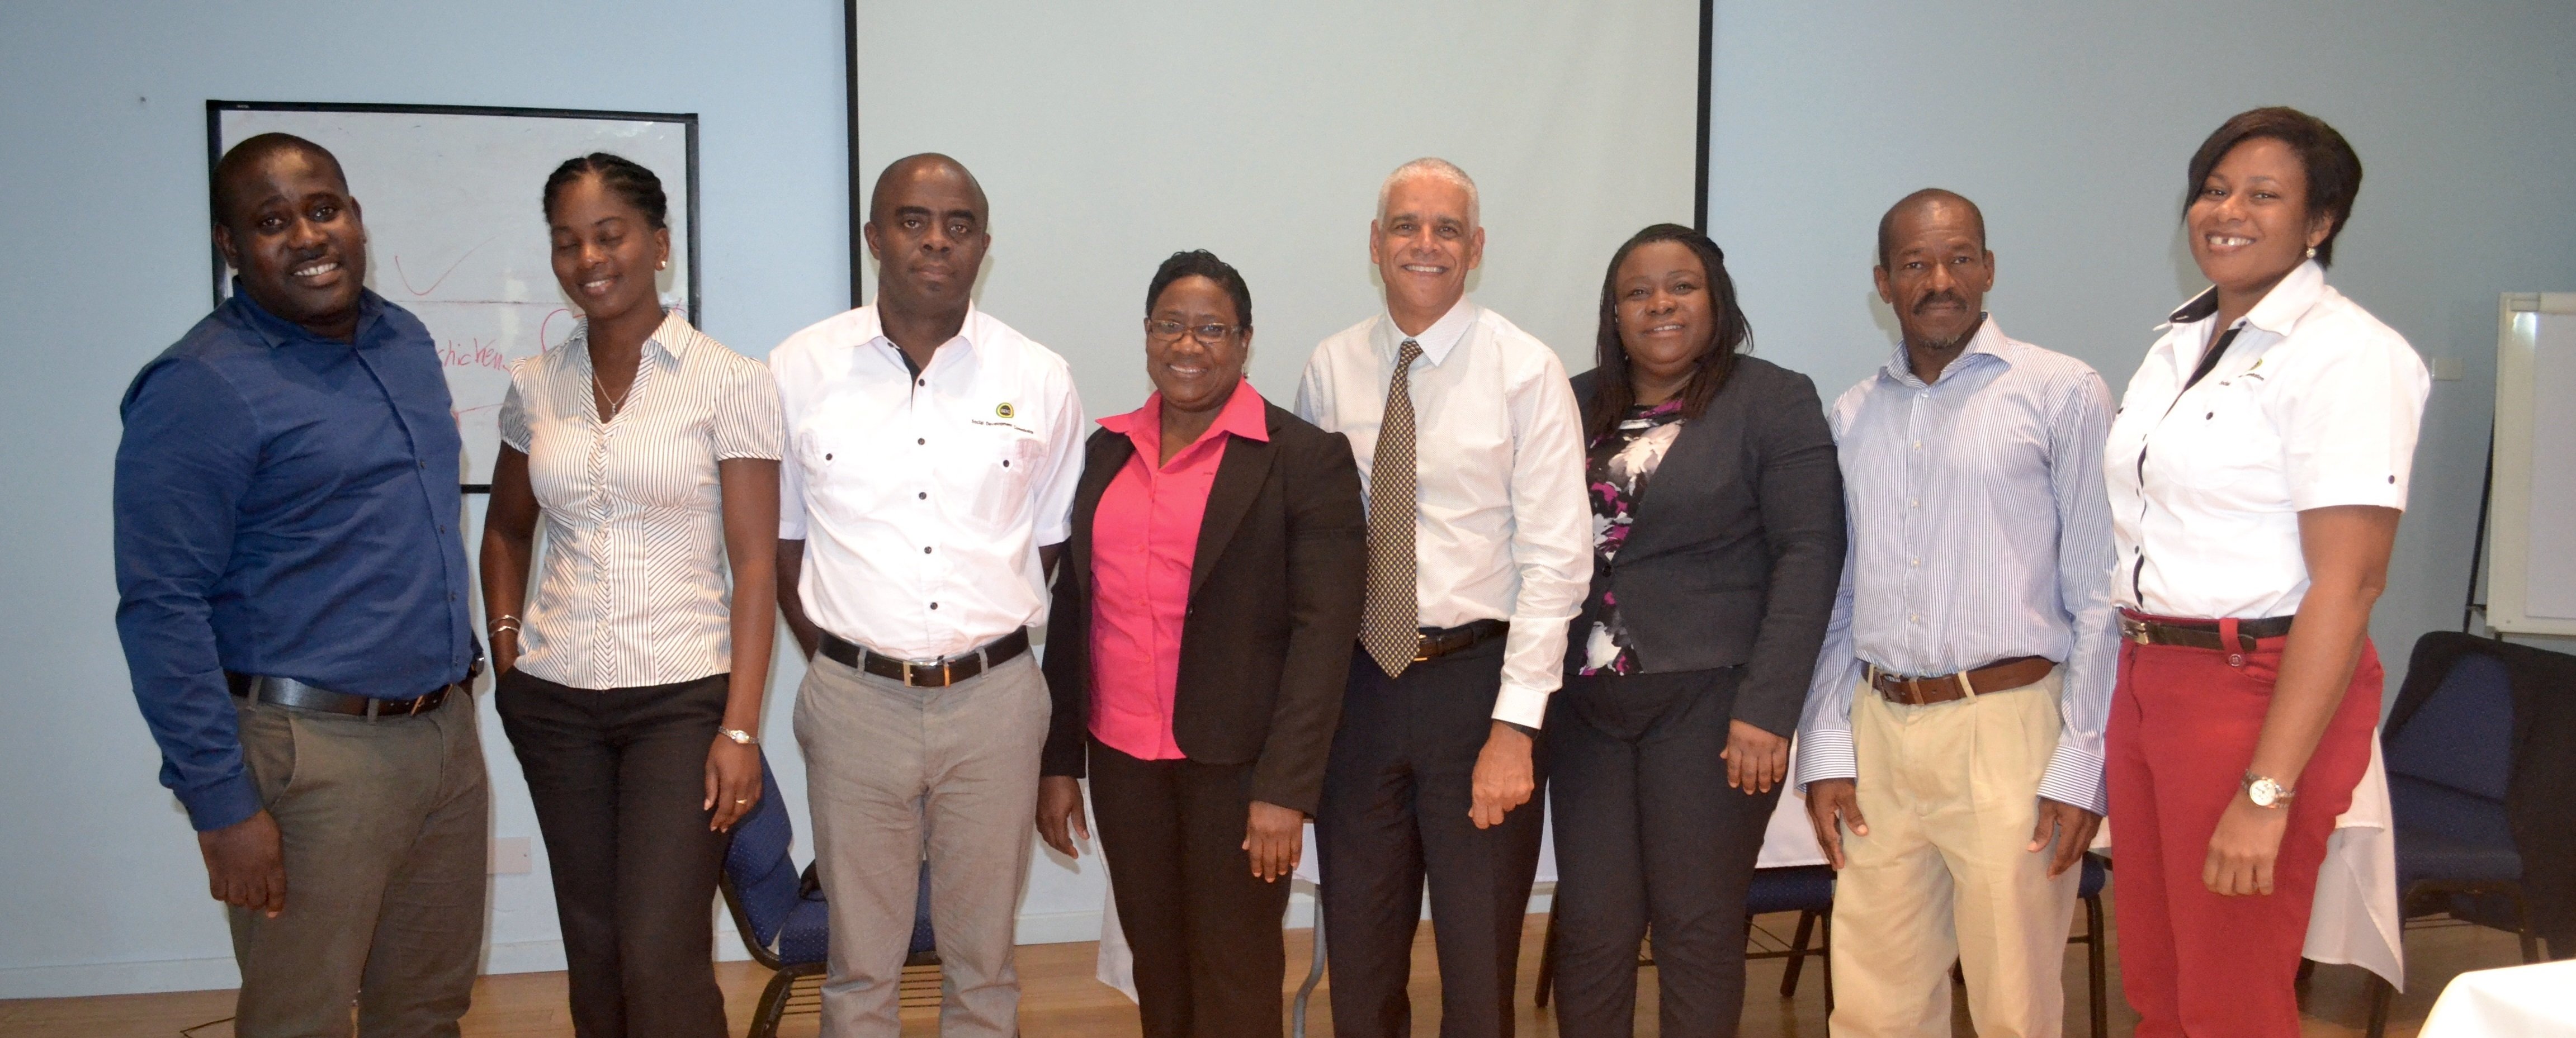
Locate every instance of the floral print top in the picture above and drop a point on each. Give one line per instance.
(1616, 472)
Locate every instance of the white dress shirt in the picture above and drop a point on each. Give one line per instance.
(2315, 404)
(1501, 530)
(1979, 532)
(923, 500)
(636, 590)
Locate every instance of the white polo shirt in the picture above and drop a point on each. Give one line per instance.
(2314, 404)
(923, 500)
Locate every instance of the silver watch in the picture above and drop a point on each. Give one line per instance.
(2265, 791)
(739, 736)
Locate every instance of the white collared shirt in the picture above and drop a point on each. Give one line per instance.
(636, 590)
(1502, 530)
(2315, 404)
(923, 501)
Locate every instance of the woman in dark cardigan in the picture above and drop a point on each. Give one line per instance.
(1201, 635)
(1718, 542)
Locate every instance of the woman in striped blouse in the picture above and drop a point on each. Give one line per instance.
(631, 690)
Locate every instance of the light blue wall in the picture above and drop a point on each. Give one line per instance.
(2070, 122)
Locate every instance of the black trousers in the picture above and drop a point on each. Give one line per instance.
(1649, 837)
(618, 777)
(1396, 794)
(1205, 932)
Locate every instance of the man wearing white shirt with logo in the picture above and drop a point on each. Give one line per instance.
(932, 459)
(1470, 448)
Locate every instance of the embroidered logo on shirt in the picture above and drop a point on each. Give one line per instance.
(1002, 410)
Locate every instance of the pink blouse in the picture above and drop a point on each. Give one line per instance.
(1144, 539)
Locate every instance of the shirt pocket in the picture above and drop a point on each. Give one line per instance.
(2227, 448)
(836, 486)
(1000, 462)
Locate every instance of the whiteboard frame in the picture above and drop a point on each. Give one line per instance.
(2509, 517)
(688, 122)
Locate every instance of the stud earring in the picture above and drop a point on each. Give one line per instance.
(666, 264)
(2312, 252)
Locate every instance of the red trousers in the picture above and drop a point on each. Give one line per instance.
(2182, 730)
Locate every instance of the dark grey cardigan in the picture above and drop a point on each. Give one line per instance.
(1737, 547)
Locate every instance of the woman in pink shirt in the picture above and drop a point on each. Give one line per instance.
(1197, 648)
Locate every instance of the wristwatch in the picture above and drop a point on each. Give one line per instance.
(2265, 791)
(739, 736)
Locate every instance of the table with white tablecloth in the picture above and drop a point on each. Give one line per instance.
(2354, 919)
(2517, 1000)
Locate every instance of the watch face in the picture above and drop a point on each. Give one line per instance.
(2264, 792)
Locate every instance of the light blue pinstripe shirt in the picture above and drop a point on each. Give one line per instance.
(1980, 531)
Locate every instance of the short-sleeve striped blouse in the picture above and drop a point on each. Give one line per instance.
(636, 590)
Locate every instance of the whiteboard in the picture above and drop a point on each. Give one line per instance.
(2531, 582)
(1261, 132)
(455, 230)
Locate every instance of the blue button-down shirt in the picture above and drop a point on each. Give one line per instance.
(1980, 531)
(285, 505)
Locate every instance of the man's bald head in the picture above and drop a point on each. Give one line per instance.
(236, 173)
(927, 166)
(1925, 199)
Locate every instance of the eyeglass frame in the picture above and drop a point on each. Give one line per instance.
(1224, 331)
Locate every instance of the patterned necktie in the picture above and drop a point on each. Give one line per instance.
(1390, 626)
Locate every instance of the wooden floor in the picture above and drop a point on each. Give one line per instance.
(1061, 1000)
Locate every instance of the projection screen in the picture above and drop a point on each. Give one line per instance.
(1109, 136)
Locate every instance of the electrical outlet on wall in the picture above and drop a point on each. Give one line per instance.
(510, 856)
(2447, 369)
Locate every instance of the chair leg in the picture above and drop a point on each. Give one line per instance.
(1547, 955)
(1797, 953)
(2522, 924)
(2307, 968)
(2096, 972)
(2381, 993)
(1827, 944)
(773, 1006)
(1314, 973)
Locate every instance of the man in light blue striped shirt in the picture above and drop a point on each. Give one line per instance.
(1961, 693)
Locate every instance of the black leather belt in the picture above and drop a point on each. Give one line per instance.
(939, 673)
(2198, 634)
(1435, 642)
(288, 692)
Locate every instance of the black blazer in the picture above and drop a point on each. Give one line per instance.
(1273, 617)
(1737, 549)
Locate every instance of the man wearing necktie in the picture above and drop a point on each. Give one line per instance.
(1470, 447)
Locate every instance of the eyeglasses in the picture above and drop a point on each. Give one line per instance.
(1170, 331)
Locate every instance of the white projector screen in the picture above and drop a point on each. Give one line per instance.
(1109, 136)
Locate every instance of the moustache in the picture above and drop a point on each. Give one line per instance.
(1927, 302)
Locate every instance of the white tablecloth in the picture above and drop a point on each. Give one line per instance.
(2518, 1000)
(2353, 919)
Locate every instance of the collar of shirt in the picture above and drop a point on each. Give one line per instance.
(669, 342)
(1989, 341)
(1243, 416)
(868, 331)
(2280, 310)
(278, 331)
(1437, 341)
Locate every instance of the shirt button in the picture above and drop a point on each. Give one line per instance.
(1918, 445)
(925, 495)
(934, 605)
(1913, 502)
(923, 442)
(925, 550)
(1913, 562)
(1914, 619)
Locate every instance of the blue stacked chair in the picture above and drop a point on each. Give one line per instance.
(781, 915)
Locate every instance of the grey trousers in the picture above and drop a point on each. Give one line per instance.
(384, 825)
(895, 774)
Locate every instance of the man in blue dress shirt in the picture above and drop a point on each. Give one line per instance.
(292, 600)
(1951, 751)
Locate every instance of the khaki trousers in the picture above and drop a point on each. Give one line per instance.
(1951, 793)
(384, 825)
(894, 775)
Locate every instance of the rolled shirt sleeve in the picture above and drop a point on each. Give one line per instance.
(2077, 429)
(189, 452)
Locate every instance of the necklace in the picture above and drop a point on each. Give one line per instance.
(615, 403)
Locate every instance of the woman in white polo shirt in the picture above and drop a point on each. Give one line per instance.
(2257, 470)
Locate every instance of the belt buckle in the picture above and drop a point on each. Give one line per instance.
(909, 667)
(2136, 631)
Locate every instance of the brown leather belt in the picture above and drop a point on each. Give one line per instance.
(288, 692)
(1435, 642)
(939, 673)
(1942, 688)
(2199, 634)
